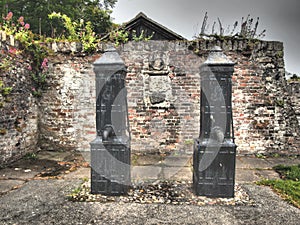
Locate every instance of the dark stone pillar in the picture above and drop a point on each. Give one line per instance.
(110, 151)
(215, 150)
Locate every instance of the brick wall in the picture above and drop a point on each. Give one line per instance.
(294, 92)
(264, 119)
(163, 83)
(67, 108)
(173, 123)
(263, 115)
(18, 110)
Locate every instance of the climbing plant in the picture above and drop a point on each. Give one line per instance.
(31, 47)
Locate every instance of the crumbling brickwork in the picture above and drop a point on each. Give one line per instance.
(18, 109)
(163, 84)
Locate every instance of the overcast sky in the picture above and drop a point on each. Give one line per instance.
(281, 18)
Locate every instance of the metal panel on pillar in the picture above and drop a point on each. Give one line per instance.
(110, 151)
(215, 150)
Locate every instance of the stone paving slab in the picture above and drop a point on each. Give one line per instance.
(146, 160)
(177, 173)
(18, 173)
(283, 161)
(245, 176)
(179, 161)
(45, 202)
(80, 173)
(252, 162)
(142, 173)
(266, 174)
(53, 155)
(8, 185)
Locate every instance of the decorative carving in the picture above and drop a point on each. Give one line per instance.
(158, 64)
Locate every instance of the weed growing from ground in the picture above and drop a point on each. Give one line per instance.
(289, 185)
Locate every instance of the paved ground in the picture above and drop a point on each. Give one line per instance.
(34, 192)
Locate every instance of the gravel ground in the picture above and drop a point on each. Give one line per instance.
(45, 202)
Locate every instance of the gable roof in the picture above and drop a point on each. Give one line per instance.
(142, 23)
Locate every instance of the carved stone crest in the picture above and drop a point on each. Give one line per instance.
(158, 84)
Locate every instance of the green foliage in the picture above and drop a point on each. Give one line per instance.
(30, 47)
(294, 78)
(81, 32)
(30, 156)
(88, 38)
(260, 156)
(288, 189)
(85, 179)
(76, 191)
(36, 12)
(119, 37)
(189, 142)
(4, 92)
(19, 29)
(279, 54)
(68, 24)
(141, 37)
(289, 185)
(289, 172)
(5, 64)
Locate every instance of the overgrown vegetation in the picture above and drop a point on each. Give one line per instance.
(121, 36)
(289, 184)
(31, 156)
(288, 172)
(80, 32)
(36, 12)
(31, 47)
(246, 29)
(72, 26)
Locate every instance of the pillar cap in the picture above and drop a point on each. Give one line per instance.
(110, 57)
(217, 57)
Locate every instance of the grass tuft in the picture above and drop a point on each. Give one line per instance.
(289, 184)
(288, 189)
(288, 172)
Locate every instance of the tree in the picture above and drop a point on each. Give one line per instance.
(36, 13)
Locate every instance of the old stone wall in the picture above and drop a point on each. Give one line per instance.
(264, 119)
(163, 99)
(163, 84)
(18, 109)
(294, 92)
(163, 95)
(67, 108)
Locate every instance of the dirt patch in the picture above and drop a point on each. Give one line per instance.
(47, 167)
